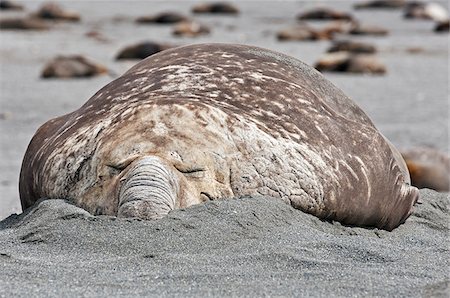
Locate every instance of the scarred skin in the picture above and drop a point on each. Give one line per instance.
(214, 121)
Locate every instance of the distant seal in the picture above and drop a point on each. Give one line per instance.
(442, 26)
(142, 50)
(213, 121)
(73, 66)
(304, 32)
(163, 18)
(347, 61)
(352, 47)
(380, 4)
(428, 168)
(52, 11)
(10, 5)
(190, 29)
(216, 8)
(325, 13)
(426, 11)
(23, 23)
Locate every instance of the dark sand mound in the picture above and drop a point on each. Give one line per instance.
(248, 246)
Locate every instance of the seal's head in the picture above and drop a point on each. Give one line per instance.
(162, 165)
(173, 157)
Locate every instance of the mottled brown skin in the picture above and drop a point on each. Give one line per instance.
(220, 121)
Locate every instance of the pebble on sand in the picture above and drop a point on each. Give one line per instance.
(7, 115)
(97, 35)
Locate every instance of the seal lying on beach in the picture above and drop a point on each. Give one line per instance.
(214, 121)
(428, 168)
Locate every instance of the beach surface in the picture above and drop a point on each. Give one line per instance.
(239, 247)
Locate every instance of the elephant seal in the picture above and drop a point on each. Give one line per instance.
(215, 8)
(142, 50)
(380, 4)
(73, 66)
(351, 46)
(428, 168)
(52, 11)
(23, 23)
(163, 18)
(346, 61)
(213, 121)
(324, 13)
(10, 5)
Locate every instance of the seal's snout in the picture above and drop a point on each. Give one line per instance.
(149, 189)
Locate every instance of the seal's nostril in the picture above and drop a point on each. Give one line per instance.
(206, 196)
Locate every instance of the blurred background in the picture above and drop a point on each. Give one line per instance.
(396, 68)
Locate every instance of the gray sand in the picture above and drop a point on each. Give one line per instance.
(240, 247)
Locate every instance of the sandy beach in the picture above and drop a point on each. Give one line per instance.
(241, 247)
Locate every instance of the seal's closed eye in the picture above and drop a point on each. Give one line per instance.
(123, 164)
(191, 171)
